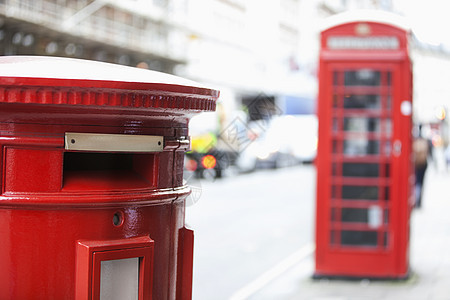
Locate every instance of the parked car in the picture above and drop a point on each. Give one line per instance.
(286, 140)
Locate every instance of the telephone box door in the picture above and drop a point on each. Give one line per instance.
(362, 212)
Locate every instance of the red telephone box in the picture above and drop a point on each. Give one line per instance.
(92, 194)
(365, 174)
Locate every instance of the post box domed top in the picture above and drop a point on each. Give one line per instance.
(66, 81)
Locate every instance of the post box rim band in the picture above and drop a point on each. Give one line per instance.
(88, 97)
(138, 197)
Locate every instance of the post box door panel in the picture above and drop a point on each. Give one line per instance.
(115, 269)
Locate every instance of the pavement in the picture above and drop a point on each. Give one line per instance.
(429, 260)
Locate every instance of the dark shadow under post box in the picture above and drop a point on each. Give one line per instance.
(92, 196)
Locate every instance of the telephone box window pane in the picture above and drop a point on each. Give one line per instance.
(363, 77)
(386, 193)
(361, 146)
(387, 130)
(119, 279)
(360, 124)
(388, 78)
(335, 125)
(334, 170)
(335, 146)
(360, 170)
(385, 239)
(357, 192)
(386, 170)
(362, 102)
(335, 101)
(359, 238)
(334, 214)
(354, 215)
(335, 78)
(334, 237)
(334, 192)
(387, 148)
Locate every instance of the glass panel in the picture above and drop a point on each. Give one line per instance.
(334, 171)
(360, 170)
(356, 192)
(386, 170)
(362, 101)
(334, 192)
(335, 146)
(386, 193)
(119, 279)
(336, 101)
(387, 124)
(335, 78)
(359, 238)
(334, 237)
(387, 148)
(335, 124)
(385, 239)
(333, 214)
(388, 78)
(361, 146)
(354, 215)
(388, 102)
(361, 124)
(364, 77)
(375, 216)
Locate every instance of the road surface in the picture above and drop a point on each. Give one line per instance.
(249, 228)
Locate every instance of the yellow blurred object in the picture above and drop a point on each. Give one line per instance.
(203, 143)
(440, 113)
(209, 162)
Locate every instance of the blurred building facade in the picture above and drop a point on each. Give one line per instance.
(249, 49)
(246, 48)
(124, 32)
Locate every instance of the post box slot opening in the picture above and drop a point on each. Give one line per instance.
(103, 171)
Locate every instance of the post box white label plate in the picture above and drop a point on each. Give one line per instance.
(119, 279)
(113, 142)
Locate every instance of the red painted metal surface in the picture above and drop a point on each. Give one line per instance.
(364, 171)
(56, 202)
(90, 254)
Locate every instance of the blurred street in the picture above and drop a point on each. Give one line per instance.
(252, 226)
(246, 224)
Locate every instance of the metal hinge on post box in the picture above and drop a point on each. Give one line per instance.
(113, 142)
(185, 143)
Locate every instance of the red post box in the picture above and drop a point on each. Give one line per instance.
(365, 174)
(92, 203)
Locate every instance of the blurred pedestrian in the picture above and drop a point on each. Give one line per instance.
(421, 151)
(447, 158)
